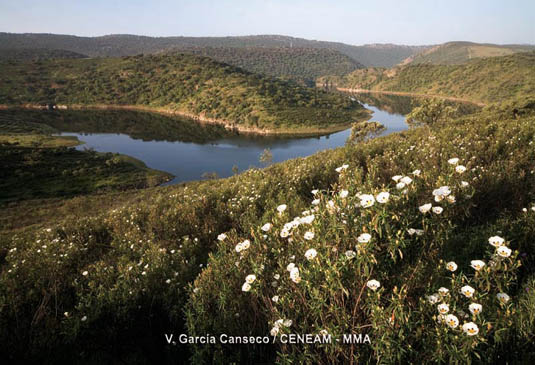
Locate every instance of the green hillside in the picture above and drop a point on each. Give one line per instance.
(36, 54)
(117, 45)
(296, 63)
(452, 53)
(481, 80)
(103, 278)
(184, 84)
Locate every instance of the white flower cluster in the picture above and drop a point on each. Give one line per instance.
(278, 325)
(249, 279)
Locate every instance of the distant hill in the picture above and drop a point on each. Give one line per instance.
(180, 84)
(382, 55)
(37, 54)
(452, 53)
(482, 79)
(296, 63)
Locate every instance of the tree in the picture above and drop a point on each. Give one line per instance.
(431, 112)
(266, 157)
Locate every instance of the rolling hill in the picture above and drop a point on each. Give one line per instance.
(452, 53)
(117, 45)
(183, 84)
(296, 63)
(480, 80)
(37, 54)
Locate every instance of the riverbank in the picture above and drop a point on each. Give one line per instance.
(202, 119)
(411, 94)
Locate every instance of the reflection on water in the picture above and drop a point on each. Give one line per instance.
(187, 149)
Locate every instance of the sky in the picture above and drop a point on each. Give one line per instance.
(355, 22)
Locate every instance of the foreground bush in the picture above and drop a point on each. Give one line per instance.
(108, 287)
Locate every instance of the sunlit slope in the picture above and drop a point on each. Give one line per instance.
(461, 52)
(179, 83)
(483, 80)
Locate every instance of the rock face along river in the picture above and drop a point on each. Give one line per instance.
(188, 154)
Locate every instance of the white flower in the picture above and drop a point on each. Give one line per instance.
(311, 254)
(315, 191)
(366, 200)
(246, 244)
(416, 172)
(276, 276)
(496, 241)
(464, 184)
(350, 254)
(266, 227)
(250, 279)
(451, 266)
(85, 273)
(453, 161)
(443, 291)
(503, 298)
(470, 329)
(443, 308)
(294, 275)
(400, 185)
(477, 264)
(364, 238)
(84, 318)
(460, 169)
(246, 287)
(452, 321)
(406, 180)
(433, 298)
(308, 235)
(382, 197)
(287, 323)
(503, 251)
(419, 232)
(290, 266)
(467, 291)
(315, 202)
(274, 331)
(344, 194)
(275, 299)
(285, 232)
(341, 168)
(425, 208)
(221, 237)
(437, 210)
(451, 199)
(324, 333)
(373, 284)
(396, 178)
(475, 308)
(307, 220)
(168, 281)
(281, 208)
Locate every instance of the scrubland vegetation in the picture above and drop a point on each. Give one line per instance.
(182, 84)
(301, 64)
(422, 239)
(38, 164)
(485, 80)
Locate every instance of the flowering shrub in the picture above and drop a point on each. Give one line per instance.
(389, 238)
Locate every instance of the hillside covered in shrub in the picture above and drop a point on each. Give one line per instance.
(183, 84)
(423, 240)
(305, 64)
(482, 80)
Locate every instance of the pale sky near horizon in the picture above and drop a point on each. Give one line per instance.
(354, 22)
